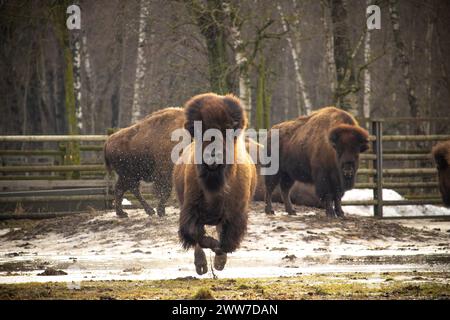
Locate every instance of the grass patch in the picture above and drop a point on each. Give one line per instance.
(317, 286)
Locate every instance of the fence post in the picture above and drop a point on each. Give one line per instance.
(377, 145)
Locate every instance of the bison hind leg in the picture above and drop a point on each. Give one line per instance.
(201, 265)
(286, 184)
(137, 193)
(122, 185)
(163, 190)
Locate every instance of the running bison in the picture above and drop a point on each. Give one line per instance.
(142, 152)
(322, 148)
(217, 193)
(441, 154)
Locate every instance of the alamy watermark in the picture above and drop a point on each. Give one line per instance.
(73, 21)
(211, 147)
(373, 14)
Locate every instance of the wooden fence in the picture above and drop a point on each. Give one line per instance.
(54, 182)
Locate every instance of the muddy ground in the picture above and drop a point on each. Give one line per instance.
(95, 255)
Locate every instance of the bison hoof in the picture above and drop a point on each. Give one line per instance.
(269, 211)
(149, 211)
(219, 261)
(122, 214)
(331, 214)
(161, 211)
(201, 266)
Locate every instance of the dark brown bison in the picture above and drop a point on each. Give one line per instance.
(142, 152)
(441, 155)
(322, 148)
(216, 193)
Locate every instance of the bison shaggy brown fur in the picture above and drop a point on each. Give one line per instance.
(322, 148)
(441, 155)
(303, 194)
(142, 152)
(215, 194)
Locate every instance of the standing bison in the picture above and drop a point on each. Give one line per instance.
(214, 193)
(142, 152)
(322, 148)
(441, 155)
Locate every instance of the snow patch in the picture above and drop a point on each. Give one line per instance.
(390, 211)
(126, 202)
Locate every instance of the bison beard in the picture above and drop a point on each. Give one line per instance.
(218, 194)
(142, 152)
(441, 155)
(322, 148)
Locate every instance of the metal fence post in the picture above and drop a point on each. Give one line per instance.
(377, 145)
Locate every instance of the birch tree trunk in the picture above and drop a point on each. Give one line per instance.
(136, 109)
(429, 56)
(297, 65)
(72, 148)
(89, 87)
(76, 54)
(403, 58)
(329, 48)
(367, 75)
(245, 93)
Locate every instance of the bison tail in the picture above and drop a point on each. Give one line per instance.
(107, 161)
(186, 233)
(187, 241)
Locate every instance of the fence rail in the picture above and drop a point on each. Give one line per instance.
(376, 175)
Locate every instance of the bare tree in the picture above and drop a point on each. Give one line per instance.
(136, 109)
(210, 17)
(296, 57)
(345, 93)
(367, 75)
(403, 59)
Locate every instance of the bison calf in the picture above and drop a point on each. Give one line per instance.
(441, 155)
(301, 193)
(142, 152)
(216, 193)
(322, 148)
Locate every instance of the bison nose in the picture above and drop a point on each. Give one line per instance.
(348, 175)
(213, 159)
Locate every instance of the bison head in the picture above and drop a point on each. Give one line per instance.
(220, 113)
(348, 141)
(441, 154)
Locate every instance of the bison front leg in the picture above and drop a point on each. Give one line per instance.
(329, 206)
(338, 206)
(137, 193)
(201, 265)
(230, 233)
(285, 186)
